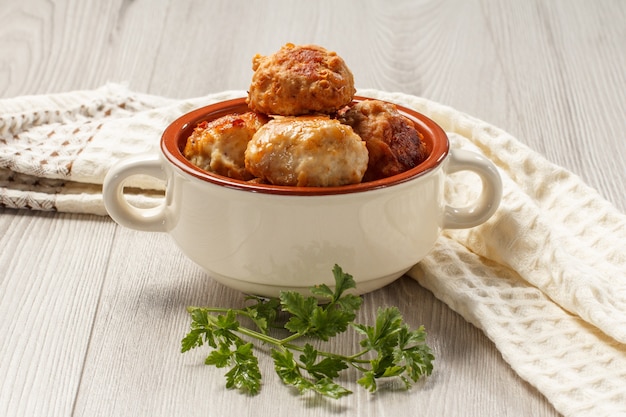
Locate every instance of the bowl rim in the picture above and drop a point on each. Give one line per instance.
(176, 133)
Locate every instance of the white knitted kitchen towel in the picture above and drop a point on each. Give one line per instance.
(544, 278)
(55, 150)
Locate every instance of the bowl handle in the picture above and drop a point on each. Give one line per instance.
(147, 219)
(488, 201)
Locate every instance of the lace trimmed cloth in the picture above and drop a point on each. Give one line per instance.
(544, 278)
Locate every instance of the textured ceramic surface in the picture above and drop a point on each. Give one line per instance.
(262, 239)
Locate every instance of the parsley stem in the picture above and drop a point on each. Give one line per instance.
(260, 336)
(222, 310)
(288, 339)
(285, 343)
(356, 356)
(352, 359)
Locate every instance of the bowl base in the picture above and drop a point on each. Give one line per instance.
(267, 290)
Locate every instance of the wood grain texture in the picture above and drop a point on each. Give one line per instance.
(48, 302)
(92, 314)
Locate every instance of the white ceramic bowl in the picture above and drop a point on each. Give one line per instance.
(261, 238)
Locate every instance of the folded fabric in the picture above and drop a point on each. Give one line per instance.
(544, 278)
(55, 150)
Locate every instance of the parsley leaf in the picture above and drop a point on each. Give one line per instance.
(245, 373)
(382, 336)
(301, 310)
(200, 332)
(328, 367)
(321, 373)
(414, 353)
(264, 312)
(326, 320)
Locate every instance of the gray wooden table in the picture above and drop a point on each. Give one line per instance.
(91, 314)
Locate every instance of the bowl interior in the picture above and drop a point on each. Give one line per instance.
(176, 134)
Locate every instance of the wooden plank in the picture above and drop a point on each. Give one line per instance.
(92, 314)
(50, 280)
(134, 351)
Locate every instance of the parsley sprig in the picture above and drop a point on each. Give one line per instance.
(389, 348)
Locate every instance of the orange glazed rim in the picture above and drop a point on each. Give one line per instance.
(175, 137)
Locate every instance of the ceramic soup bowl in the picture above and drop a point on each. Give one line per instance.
(262, 239)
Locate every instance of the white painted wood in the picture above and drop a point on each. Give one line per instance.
(92, 314)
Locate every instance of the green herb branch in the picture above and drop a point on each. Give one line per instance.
(389, 348)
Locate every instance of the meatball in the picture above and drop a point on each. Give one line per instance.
(393, 142)
(300, 80)
(219, 146)
(307, 151)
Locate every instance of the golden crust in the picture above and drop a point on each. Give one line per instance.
(219, 146)
(307, 151)
(299, 80)
(393, 142)
(317, 136)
